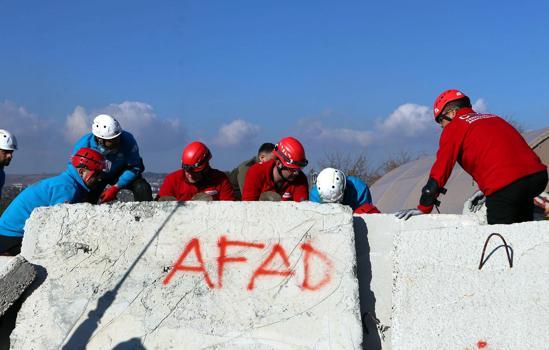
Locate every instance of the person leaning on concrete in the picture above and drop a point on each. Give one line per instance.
(332, 186)
(238, 175)
(506, 170)
(84, 170)
(126, 165)
(8, 144)
(196, 180)
(281, 175)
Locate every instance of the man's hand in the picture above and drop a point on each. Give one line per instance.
(109, 194)
(476, 201)
(408, 213)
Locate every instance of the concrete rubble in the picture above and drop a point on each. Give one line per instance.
(441, 300)
(16, 274)
(147, 275)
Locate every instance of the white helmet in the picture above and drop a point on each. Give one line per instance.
(8, 142)
(106, 127)
(330, 184)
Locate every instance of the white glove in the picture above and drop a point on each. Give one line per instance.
(408, 213)
(476, 201)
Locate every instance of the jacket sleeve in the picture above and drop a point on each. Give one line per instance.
(226, 192)
(367, 208)
(134, 164)
(448, 152)
(314, 196)
(363, 193)
(252, 185)
(301, 190)
(167, 188)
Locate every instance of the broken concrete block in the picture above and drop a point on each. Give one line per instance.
(222, 275)
(16, 274)
(443, 301)
(374, 249)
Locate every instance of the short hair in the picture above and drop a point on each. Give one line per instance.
(457, 104)
(266, 148)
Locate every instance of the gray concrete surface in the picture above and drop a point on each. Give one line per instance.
(374, 249)
(443, 301)
(114, 280)
(16, 274)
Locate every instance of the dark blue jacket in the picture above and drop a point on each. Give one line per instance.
(126, 163)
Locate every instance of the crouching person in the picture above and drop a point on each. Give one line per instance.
(332, 186)
(280, 177)
(196, 180)
(126, 166)
(84, 170)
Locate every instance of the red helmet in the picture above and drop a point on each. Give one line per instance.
(291, 153)
(196, 157)
(90, 159)
(444, 98)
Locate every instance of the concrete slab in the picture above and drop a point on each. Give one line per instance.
(16, 274)
(374, 249)
(443, 301)
(148, 276)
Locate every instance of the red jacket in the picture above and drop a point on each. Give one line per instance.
(216, 184)
(486, 147)
(259, 179)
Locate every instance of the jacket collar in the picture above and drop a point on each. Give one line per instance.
(73, 173)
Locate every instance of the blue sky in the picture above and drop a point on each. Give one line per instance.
(349, 77)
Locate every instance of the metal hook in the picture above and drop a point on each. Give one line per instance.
(507, 250)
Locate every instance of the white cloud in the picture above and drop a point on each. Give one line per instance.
(138, 118)
(236, 132)
(480, 106)
(318, 131)
(408, 119)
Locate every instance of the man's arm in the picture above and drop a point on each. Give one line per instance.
(301, 189)
(167, 189)
(252, 184)
(134, 163)
(226, 192)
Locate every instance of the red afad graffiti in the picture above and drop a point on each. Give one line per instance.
(277, 253)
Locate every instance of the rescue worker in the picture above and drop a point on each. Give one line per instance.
(8, 144)
(281, 175)
(71, 186)
(238, 174)
(196, 179)
(332, 186)
(506, 170)
(126, 166)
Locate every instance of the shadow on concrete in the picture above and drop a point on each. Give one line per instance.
(130, 344)
(83, 333)
(371, 339)
(7, 321)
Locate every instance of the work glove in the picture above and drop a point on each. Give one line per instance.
(476, 201)
(408, 213)
(109, 194)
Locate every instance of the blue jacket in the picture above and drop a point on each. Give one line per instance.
(68, 187)
(356, 193)
(126, 163)
(2, 179)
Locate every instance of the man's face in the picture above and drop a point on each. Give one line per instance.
(89, 177)
(193, 177)
(109, 144)
(265, 157)
(289, 174)
(5, 157)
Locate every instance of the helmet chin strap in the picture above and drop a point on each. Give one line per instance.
(279, 170)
